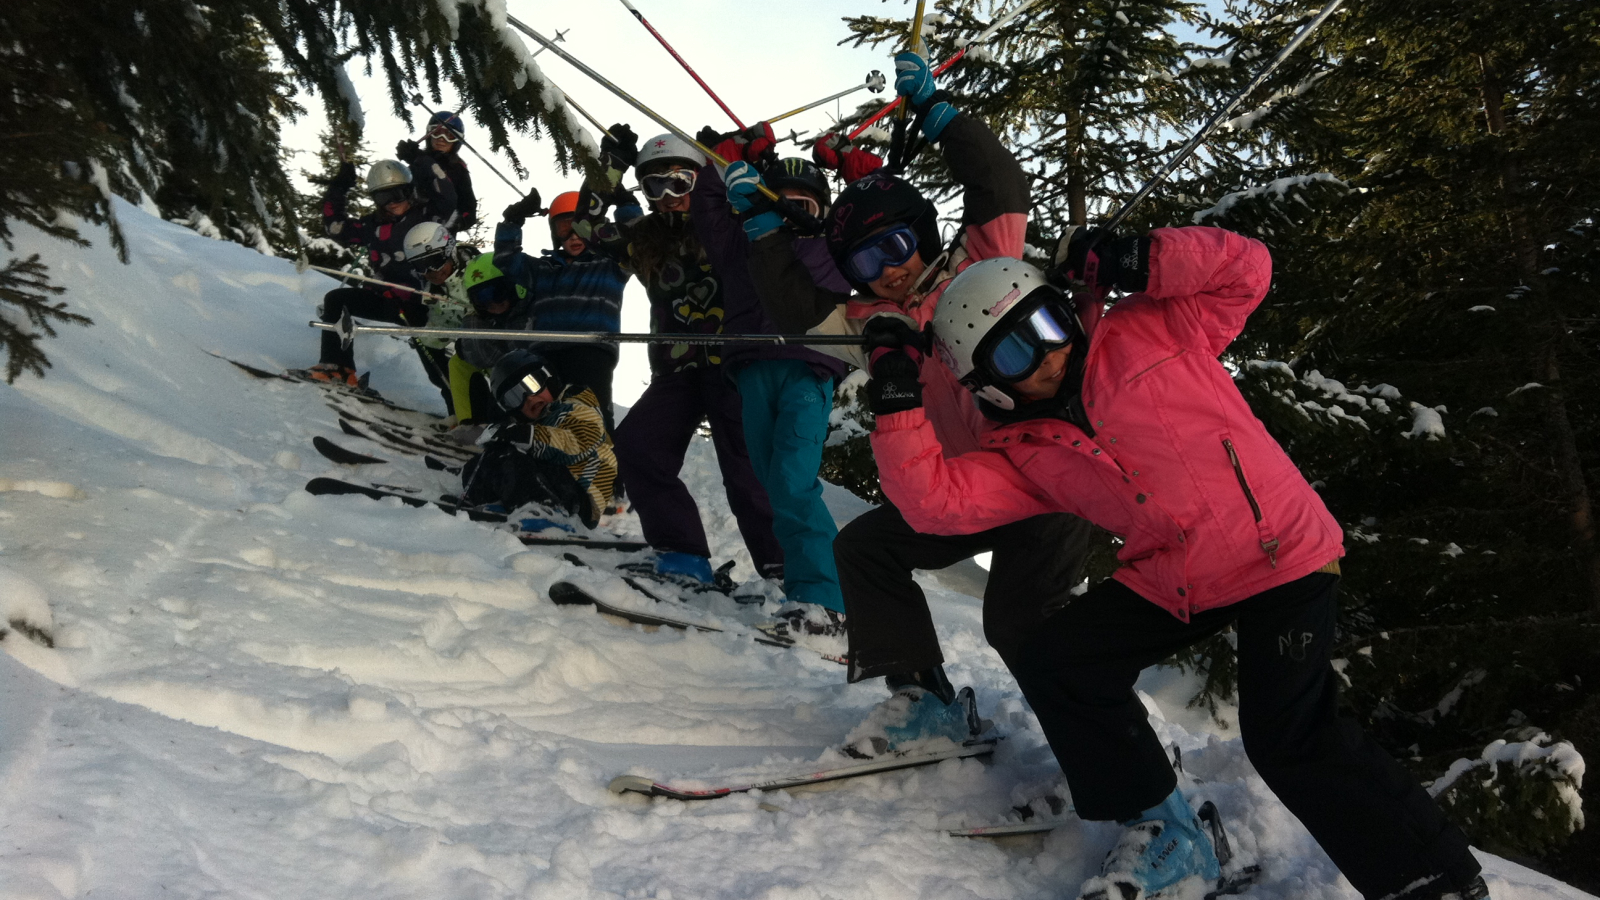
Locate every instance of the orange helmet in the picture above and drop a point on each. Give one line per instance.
(564, 204)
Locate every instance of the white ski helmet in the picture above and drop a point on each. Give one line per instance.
(428, 242)
(387, 173)
(671, 148)
(975, 301)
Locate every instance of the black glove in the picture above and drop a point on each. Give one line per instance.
(620, 148)
(710, 136)
(893, 332)
(406, 151)
(894, 386)
(1119, 262)
(518, 212)
(344, 179)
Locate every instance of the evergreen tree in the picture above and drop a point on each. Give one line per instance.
(181, 104)
(1416, 172)
(337, 144)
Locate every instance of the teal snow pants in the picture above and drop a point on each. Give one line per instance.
(786, 408)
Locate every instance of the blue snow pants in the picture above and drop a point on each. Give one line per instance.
(786, 409)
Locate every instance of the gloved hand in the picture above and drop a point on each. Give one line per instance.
(834, 151)
(888, 332)
(913, 79)
(620, 148)
(754, 144)
(518, 212)
(744, 195)
(344, 179)
(1119, 262)
(894, 386)
(406, 150)
(760, 143)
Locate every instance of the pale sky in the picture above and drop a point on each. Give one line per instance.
(762, 59)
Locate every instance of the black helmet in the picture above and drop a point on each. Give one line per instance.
(793, 172)
(873, 202)
(518, 374)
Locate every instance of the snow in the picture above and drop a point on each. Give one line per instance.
(1277, 188)
(1426, 422)
(253, 692)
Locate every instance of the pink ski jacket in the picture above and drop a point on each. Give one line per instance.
(1209, 507)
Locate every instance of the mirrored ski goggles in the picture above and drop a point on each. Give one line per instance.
(807, 203)
(891, 248)
(1012, 352)
(443, 132)
(512, 397)
(676, 183)
(386, 196)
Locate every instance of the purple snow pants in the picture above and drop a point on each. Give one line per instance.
(650, 444)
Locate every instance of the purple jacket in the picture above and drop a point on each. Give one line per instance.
(728, 250)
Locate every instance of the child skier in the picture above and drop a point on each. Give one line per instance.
(688, 384)
(439, 262)
(786, 392)
(405, 197)
(554, 451)
(443, 143)
(1131, 422)
(884, 237)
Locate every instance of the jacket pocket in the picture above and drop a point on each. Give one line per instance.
(1269, 540)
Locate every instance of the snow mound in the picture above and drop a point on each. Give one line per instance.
(254, 692)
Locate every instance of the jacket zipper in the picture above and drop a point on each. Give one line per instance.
(1269, 547)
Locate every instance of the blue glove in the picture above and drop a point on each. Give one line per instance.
(936, 118)
(744, 186)
(744, 195)
(913, 79)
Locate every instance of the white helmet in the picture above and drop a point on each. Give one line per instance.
(975, 301)
(669, 147)
(428, 242)
(387, 173)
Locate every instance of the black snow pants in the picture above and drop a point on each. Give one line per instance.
(1077, 671)
(1036, 563)
(505, 475)
(387, 305)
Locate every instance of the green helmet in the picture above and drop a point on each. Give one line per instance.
(487, 284)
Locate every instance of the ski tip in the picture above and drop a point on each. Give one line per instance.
(631, 784)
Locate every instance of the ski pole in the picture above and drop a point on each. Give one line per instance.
(789, 210)
(686, 67)
(595, 337)
(417, 99)
(1216, 119)
(915, 46)
(302, 264)
(874, 83)
(988, 33)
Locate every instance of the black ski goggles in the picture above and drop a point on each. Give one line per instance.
(894, 247)
(385, 196)
(500, 290)
(512, 398)
(676, 183)
(1014, 349)
(431, 262)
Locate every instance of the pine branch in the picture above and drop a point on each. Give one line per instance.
(24, 283)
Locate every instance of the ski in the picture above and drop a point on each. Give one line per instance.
(379, 435)
(439, 465)
(535, 540)
(639, 784)
(363, 393)
(573, 595)
(401, 432)
(323, 487)
(1007, 829)
(344, 457)
(565, 593)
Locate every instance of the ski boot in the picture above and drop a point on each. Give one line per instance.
(674, 565)
(331, 373)
(925, 708)
(1166, 852)
(1439, 888)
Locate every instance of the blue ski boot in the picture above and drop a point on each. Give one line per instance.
(685, 565)
(925, 709)
(1164, 853)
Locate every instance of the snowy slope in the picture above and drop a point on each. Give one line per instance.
(258, 693)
